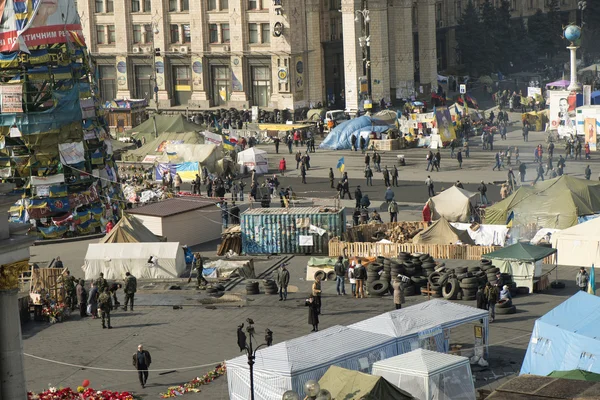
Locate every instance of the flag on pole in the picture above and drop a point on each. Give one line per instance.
(510, 219)
(457, 111)
(591, 289)
(341, 165)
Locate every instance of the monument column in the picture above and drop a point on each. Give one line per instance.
(315, 72)
(402, 60)
(380, 55)
(427, 43)
(353, 64)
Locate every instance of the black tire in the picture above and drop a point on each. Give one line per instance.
(469, 280)
(460, 270)
(443, 279)
(320, 274)
(474, 285)
(485, 261)
(450, 289)
(473, 269)
(486, 267)
(504, 303)
(434, 278)
(507, 310)
(410, 291)
(523, 290)
(493, 270)
(379, 288)
(437, 288)
(557, 285)
(410, 271)
(331, 275)
(464, 275)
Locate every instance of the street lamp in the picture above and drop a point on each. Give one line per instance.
(248, 347)
(155, 52)
(364, 42)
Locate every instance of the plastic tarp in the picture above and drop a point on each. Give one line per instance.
(114, 259)
(429, 375)
(521, 252)
(441, 232)
(187, 171)
(255, 159)
(347, 384)
(542, 234)
(577, 375)
(566, 338)
(158, 146)
(339, 137)
(288, 365)
(316, 114)
(563, 83)
(130, 230)
(164, 123)
(321, 261)
(387, 116)
(555, 203)
(227, 268)
(578, 245)
(485, 235)
(453, 204)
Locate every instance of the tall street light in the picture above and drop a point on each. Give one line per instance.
(155, 52)
(248, 347)
(364, 42)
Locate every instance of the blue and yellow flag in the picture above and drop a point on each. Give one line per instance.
(227, 145)
(341, 165)
(592, 282)
(510, 219)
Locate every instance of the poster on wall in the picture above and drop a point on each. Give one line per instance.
(197, 73)
(282, 74)
(12, 98)
(121, 63)
(444, 124)
(590, 132)
(299, 66)
(562, 112)
(533, 91)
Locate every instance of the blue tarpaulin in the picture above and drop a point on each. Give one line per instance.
(339, 137)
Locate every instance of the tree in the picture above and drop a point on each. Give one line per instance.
(505, 40)
(520, 55)
(469, 32)
(538, 27)
(555, 27)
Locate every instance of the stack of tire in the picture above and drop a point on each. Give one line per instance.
(491, 271)
(270, 287)
(252, 288)
(381, 272)
(376, 286)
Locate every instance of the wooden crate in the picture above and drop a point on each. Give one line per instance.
(385, 145)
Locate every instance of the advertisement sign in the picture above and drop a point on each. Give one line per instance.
(562, 112)
(363, 86)
(12, 98)
(590, 132)
(197, 73)
(299, 74)
(444, 124)
(533, 91)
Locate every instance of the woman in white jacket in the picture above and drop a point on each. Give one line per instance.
(351, 278)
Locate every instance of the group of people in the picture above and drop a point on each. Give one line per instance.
(489, 295)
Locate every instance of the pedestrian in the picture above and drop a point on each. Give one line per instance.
(551, 149)
(316, 292)
(459, 158)
(561, 164)
(363, 144)
(113, 292)
(199, 263)
(106, 305)
(298, 159)
(101, 283)
(389, 194)
(582, 279)
(497, 165)
(353, 142)
(526, 132)
(540, 173)
(313, 313)
(517, 156)
(377, 161)
(81, 298)
(492, 294)
(466, 147)
(395, 177)
(346, 189)
(224, 214)
(430, 160)
(351, 278)
(340, 276)
(357, 196)
(482, 189)
(398, 292)
(508, 156)
(365, 202)
(369, 176)
(130, 289)
(68, 282)
(393, 210)
(141, 362)
(386, 176)
(196, 185)
(58, 263)
(234, 212)
(303, 173)
(429, 184)
(452, 147)
(367, 160)
(283, 280)
(276, 140)
(177, 183)
(331, 177)
(438, 161)
(522, 171)
(588, 173)
(93, 301)
(290, 142)
(282, 166)
(587, 151)
(480, 299)
(360, 274)
(503, 191)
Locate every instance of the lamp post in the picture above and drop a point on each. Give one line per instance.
(365, 43)
(155, 52)
(248, 347)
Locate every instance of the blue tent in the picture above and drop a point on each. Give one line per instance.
(596, 97)
(339, 137)
(566, 338)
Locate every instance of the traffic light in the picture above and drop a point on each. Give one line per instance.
(157, 51)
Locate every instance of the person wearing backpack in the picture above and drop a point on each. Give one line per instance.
(393, 210)
(360, 274)
(492, 295)
(105, 303)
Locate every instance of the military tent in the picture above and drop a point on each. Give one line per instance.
(130, 230)
(164, 123)
(578, 245)
(441, 232)
(453, 204)
(156, 148)
(554, 203)
(344, 383)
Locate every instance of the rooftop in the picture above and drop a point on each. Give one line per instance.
(170, 207)
(292, 211)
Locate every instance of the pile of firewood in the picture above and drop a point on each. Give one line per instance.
(401, 233)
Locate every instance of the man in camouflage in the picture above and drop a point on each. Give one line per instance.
(105, 303)
(199, 268)
(130, 289)
(101, 283)
(71, 294)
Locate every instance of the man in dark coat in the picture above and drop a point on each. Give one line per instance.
(141, 362)
(313, 313)
(81, 298)
(357, 196)
(283, 280)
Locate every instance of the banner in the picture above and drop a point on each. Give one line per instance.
(47, 180)
(590, 132)
(444, 124)
(187, 171)
(71, 153)
(299, 74)
(197, 73)
(12, 99)
(562, 112)
(213, 138)
(533, 91)
(162, 147)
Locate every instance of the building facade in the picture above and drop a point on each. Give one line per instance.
(274, 54)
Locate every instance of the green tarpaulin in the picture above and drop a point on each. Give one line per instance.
(521, 252)
(320, 261)
(158, 146)
(347, 384)
(576, 374)
(164, 123)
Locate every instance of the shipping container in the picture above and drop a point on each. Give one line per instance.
(300, 230)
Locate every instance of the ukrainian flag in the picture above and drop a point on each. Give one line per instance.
(510, 219)
(591, 289)
(227, 145)
(341, 165)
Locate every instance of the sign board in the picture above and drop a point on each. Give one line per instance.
(463, 88)
(562, 112)
(533, 91)
(368, 104)
(12, 98)
(590, 129)
(587, 95)
(306, 240)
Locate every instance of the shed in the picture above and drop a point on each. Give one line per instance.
(453, 204)
(429, 375)
(288, 365)
(347, 384)
(190, 221)
(522, 260)
(578, 245)
(299, 230)
(425, 325)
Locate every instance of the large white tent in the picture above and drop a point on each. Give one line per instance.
(429, 375)
(453, 204)
(288, 365)
(114, 259)
(578, 245)
(254, 159)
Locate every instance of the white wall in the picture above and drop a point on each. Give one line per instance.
(193, 227)
(154, 224)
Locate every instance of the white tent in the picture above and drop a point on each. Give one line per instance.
(114, 259)
(254, 159)
(288, 365)
(485, 235)
(429, 375)
(454, 204)
(205, 154)
(578, 245)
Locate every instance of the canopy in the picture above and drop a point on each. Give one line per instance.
(282, 127)
(578, 245)
(114, 259)
(316, 114)
(129, 230)
(255, 159)
(555, 203)
(565, 338)
(158, 146)
(288, 365)
(339, 137)
(441, 232)
(576, 374)
(521, 252)
(347, 384)
(563, 83)
(453, 204)
(429, 375)
(388, 117)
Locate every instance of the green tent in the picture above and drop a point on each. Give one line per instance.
(554, 203)
(576, 374)
(164, 123)
(347, 384)
(521, 252)
(157, 146)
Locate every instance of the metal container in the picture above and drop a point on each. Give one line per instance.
(290, 230)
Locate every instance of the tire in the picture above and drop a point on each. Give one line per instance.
(379, 288)
(443, 279)
(410, 291)
(522, 290)
(486, 267)
(437, 288)
(434, 278)
(507, 310)
(469, 280)
(493, 270)
(320, 274)
(450, 289)
(464, 275)
(557, 285)
(469, 285)
(504, 304)
(410, 271)
(461, 270)
(485, 261)
(331, 275)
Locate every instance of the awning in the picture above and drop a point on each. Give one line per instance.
(282, 127)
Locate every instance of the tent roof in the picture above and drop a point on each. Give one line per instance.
(560, 83)
(441, 232)
(131, 251)
(576, 374)
(420, 317)
(165, 123)
(578, 314)
(129, 230)
(153, 145)
(170, 207)
(453, 204)
(453, 193)
(344, 383)
(298, 355)
(422, 362)
(252, 151)
(522, 252)
(587, 229)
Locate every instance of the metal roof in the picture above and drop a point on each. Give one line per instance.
(292, 211)
(421, 362)
(170, 207)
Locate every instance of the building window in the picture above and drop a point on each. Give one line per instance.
(224, 4)
(335, 5)
(148, 34)
(213, 33)
(438, 14)
(265, 33)
(111, 34)
(187, 36)
(221, 85)
(182, 83)
(458, 9)
(100, 35)
(144, 83)
(514, 5)
(531, 4)
(110, 6)
(185, 5)
(225, 33)
(99, 6)
(107, 82)
(174, 33)
(212, 5)
(147, 6)
(172, 5)
(253, 5)
(252, 33)
(261, 86)
(137, 34)
(135, 5)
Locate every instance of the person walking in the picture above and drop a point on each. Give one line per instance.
(130, 289)
(303, 173)
(351, 278)
(480, 298)
(586, 149)
(459, 158)
(298, 157)
(199, 262)
(276, 140)
(398, 292)
(582, 279)
(588, 173)
(363, 144)
(377, 161)
(346, 189)
(141, 362)
(360, 274)
(316, 292)
(106, 305)
(497, 165)
(386, 176)
(482, 189)
(283, 280)
(429, 184)
(93, 301)
(282, 166)
(522, 171)
(290, 142)
(430, 160)
(81, 298)
(369, 176)
(357, 196)
(389, 195)
(340, 276)
(393, 210)
(353, 142)
(438, 161)
(367, 160)
(313, 313)
(492, 294)
(395, 177)
(526, 132)
(331, 177)
(540, 173)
